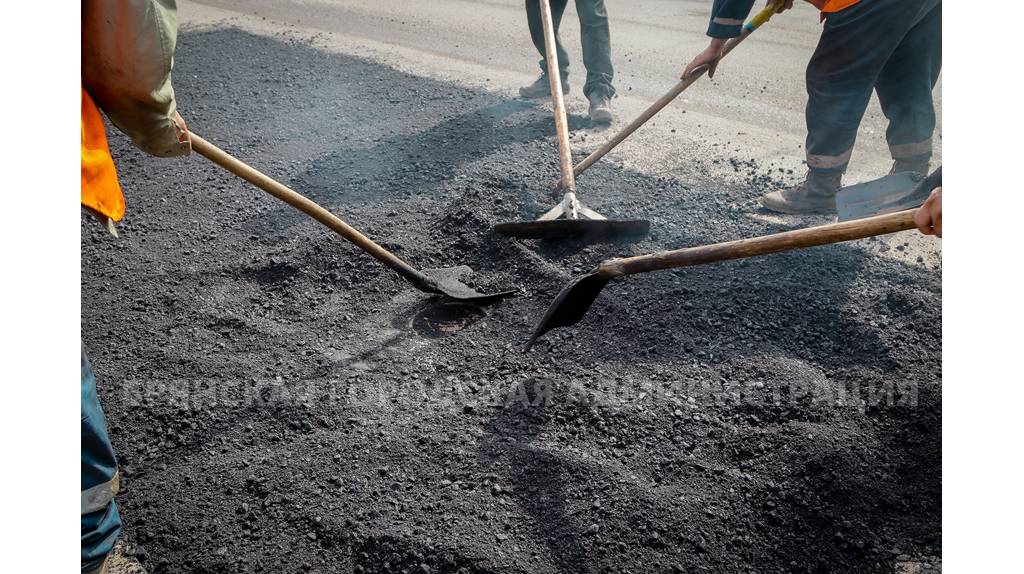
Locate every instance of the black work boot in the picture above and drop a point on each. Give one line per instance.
(600, 108)
(917, 165)
(817, 194)
(541, 88)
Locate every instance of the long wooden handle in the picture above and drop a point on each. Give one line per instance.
(568, 179)
(305, 205)
(748, 29)
(786, 241)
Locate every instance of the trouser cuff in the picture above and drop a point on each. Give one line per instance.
(601, 88)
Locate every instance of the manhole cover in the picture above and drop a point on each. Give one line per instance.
(445, 318)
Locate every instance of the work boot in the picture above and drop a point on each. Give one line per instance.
(600, 108)
(541, 88)
(915, 165)
(817, 194)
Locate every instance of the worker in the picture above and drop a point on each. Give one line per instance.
(597, 55)
(928, 217)
(127, 55)
(893, 47)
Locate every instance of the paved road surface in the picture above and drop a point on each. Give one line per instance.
(755, 104)
(752, 111)
(280, 401)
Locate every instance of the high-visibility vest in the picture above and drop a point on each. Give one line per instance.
(829, 6)
(100, 189)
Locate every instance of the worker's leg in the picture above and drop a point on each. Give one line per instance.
(597, 47)
(905, 87)
(854, 47)
(537, 33)
(101, 524)
(540, 88)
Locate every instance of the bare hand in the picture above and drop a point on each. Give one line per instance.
(929, 216)
(785, 5)
(182, 127)
(707, 59)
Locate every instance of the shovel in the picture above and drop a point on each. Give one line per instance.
(760, 18)
(891, 193)
(573, 301)
(436, 281)
(569, 218)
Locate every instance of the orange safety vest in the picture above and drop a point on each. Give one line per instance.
(100, 189)
(830, 6)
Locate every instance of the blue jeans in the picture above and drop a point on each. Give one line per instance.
(101, 524)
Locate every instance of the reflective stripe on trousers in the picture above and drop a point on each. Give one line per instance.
(911, 150)
(99, 496)
(101, 524)
(815, 161)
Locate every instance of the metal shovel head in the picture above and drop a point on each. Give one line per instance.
(888, 194)
(447, 282)
(570, 305)
(581, 228)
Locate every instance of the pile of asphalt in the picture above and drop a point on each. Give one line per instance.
(280, 401)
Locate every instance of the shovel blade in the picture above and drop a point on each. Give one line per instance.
(571, 303)
(888, 194)
(447, 281)
(578, 228)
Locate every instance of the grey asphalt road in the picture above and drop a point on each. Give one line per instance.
(755, 103)
(751, 112)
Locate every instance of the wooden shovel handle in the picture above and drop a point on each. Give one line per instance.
(786, 241)
(568, 179)
(305, 205)
(763, 16)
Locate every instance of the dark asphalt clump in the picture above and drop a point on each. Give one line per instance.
(277, 406)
